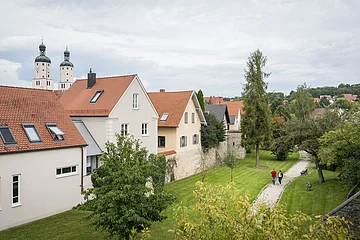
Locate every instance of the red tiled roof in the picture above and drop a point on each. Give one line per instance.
(168, 153)
(34, 106)
(213, 99)
(173, 103)
(233, 107)
(76, 100)
(59, 93)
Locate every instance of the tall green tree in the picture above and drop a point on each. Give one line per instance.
(128, 188)
(303, 103)
(213, 133)
(256, 121)
(305, 135)
(200, 97)
(342, 148)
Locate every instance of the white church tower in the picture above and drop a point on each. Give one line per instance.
(42, 78)
(66, 72)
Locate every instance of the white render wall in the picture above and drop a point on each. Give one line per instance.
(43, 75)
(124, 113)
(41, 193)
(66, 77)
(97, 128)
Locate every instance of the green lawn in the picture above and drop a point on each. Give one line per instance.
(73, 225)
(320, 200)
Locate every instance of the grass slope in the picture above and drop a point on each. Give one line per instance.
(320, 200)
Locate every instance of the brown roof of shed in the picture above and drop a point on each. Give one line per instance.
(173, 103)
(33, 106)
(76, 100)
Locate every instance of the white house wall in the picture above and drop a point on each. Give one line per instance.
(41, 193)
(98, 127)
(124, 113)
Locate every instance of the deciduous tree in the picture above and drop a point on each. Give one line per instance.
(213, 133)
(128, 188)
(256, 121)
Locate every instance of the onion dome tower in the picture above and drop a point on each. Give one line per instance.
(66, 72)
(42, 78)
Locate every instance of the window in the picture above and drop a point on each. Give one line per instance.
(135, 100)
(195, 139)
(43, 70)
(48, 64)
(63, 85)
(55, 132)
(96, 96)
(161, 141)
(183, 141)
(62, 68)
(31, 133)
(48, 83)
(186, 117)
(37, 64)
(124, 129)
(48, 76)
(43, 76)
(164, 117)
(43, 64)
(7, 136)
(66, 171)
(144, 129)
(37, 83)
(67, 68)
(67, 73)
(91, 164)
(16, 190)
(192, 117)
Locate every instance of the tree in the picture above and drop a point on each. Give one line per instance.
(275, 104)
(279, 148)
(200, 97)
(342, 148)
(324, 102)
(256, 121)
(305, 134)
(128, 188)
(303, 103)
(230, 161)
(213, 133)
(221, 214)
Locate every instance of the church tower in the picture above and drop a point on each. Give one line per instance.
(66, 72)
(42, 78)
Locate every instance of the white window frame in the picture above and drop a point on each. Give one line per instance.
(19, 190)
(71, 173)
(96, 96)
(186, 117)
(145, 129)
(183, 141)
(29, 126)
(124, 129)
(192, 117)
(55, 132)
(135, 101)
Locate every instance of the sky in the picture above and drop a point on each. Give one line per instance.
(187, 44)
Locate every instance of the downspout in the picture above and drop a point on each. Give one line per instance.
(82, 170)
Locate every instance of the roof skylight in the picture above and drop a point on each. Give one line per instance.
(7, 136)
(31, 133)
(96, 96)
(164, 117)
(55, 132)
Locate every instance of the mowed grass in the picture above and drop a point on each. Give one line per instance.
(320, 200)
(74, 225)
(248, 181)
(68, 225)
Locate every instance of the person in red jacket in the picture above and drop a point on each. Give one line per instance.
(273, 176)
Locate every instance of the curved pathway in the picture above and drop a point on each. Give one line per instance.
(272, 193)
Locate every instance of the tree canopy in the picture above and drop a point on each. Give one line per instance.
(128, 188)
(303, 103)
(256, 121)
(200, 97)
(213, 133)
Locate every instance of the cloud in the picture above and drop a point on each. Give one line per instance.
(9, 74)
(186, 44)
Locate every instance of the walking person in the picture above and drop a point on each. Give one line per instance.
(280, 176)
(273, 176)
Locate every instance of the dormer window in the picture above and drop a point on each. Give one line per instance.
(31, 133)
(55, 132)
(7, 136)
(164, 117)
(96, 96)
(135, 100)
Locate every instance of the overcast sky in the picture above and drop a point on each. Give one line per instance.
(187, 44)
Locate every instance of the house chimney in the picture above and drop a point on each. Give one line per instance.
(91, 80)
(162, 89)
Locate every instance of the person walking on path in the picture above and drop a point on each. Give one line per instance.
(273, 176)
(280, 176)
